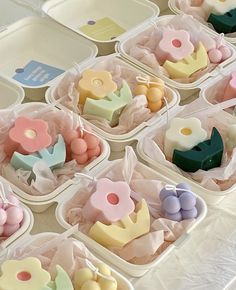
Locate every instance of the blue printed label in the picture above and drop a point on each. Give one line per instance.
(36, 74)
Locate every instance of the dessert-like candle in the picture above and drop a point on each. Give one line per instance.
(27, 136)
(82, 147)
(154, 91)
(174, 45)
(218, 6)
(95, 85)
(26, 274)
(124, 231)
(110, 202)
(85, 279)
(189, 65)
(11, 215)
(111, 106)
(178, 203)
(205, 155)
(224, 23)
(54, 157)
(183, 134)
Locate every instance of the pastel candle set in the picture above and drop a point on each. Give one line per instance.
(110, 202)
(124, 231)
(53, 156)
(230, 91)
(218, 7)
(231, 137)
(82, 147)
(85, 279)
(28, 274)
(206, 155)
(154, 91)
(189, 65)
(11, 216)
(178, 203)
(224, 23)
(183, 134)
(111, 106)
(175, 45)
(95, 85)
(27, 136)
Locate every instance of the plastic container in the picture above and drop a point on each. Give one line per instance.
(176, 10)
(188, 89)
(44, 50)
(24, 230)
(41, 203)
(39, 239)
(130, 269)
(11, 94)
(76, 13)
(212, 198)
(162, 4)
(118, 142)
(214, 89)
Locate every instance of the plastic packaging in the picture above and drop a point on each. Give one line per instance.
(131, 269)
(41, 202)
(118, 142)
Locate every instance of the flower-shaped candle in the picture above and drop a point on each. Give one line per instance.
(27, 136)
(110, 202)
(218, 6)
(26, 274)
(95, 85)
(174, 45)
(183, 135)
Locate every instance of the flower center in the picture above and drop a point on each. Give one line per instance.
(176, 43)
(97, 82)
(30, 133)
(186, 131)
(24, 276)
(113, 198)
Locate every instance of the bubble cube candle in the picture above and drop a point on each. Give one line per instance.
(178, 203)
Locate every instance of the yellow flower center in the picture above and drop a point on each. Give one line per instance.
(186, 131)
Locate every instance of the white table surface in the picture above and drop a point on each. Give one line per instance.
(206, 262)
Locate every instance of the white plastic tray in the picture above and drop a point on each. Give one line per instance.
(44, 41)
(118, 142)
(11, 94)
(176, 10)
(39, 239)
(211, 197)
(131, 269)
(41, 203)
(76, 13)
(217, 85)
(185, 89)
